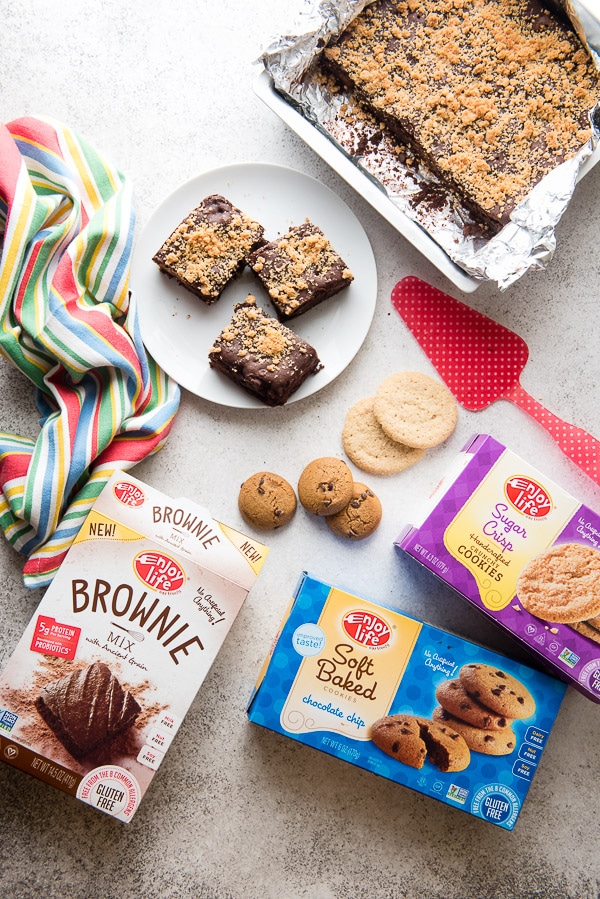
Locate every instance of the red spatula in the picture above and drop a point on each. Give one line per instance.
(481, 362)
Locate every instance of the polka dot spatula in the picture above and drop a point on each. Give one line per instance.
(481, 361)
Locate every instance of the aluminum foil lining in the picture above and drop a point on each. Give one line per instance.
(527, 242)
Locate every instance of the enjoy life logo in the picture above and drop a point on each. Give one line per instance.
(527, 496)
(159, 571)
(366, 628)
(128, 494)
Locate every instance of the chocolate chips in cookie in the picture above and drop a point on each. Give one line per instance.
(325, 486)
(412, 740)
(478, 739)
(452, 695)
(267, 501)
(360, 517)
(481, 704)
(496, 689)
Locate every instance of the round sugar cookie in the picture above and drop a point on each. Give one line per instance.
(325, 486)
(368, 446)
(562, 584)
(416, 410)
(360, 517)
(267, 501)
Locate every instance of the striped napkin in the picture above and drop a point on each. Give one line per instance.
(69, 324)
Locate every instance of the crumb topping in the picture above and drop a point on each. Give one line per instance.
(258, 336)
(495, 93)
(209, 245)
(297, 263)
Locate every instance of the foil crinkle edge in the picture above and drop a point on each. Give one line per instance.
(527, 242)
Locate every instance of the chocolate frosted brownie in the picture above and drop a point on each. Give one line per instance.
(87, 709)
(209, 247)
(490, 95)
(300, 270)
(262, 355)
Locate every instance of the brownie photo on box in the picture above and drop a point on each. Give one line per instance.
(262, 355)
(209, 247)
(87, 709)
(300, 270)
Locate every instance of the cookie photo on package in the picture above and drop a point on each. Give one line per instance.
(409, 702)
(522, 550)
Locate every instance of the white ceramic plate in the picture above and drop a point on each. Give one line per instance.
(178, 329)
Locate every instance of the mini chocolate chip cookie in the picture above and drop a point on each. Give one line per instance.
(488, 742)
(501, 692)
(360, 518)
(325, 486)
(267, 501)
(453, 697)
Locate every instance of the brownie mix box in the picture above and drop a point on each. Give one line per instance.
(407, 701)
(523, 551)
(107, 668)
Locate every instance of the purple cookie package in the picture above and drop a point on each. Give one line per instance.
(491, 516)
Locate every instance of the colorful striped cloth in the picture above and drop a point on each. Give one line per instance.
(68, 323)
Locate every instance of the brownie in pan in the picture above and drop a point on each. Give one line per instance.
(490, 95)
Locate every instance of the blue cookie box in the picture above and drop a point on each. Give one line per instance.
(492, 788)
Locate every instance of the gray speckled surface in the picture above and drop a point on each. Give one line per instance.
(236, 812)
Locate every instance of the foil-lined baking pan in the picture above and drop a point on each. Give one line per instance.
(425, 214)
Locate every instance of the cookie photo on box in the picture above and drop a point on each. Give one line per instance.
(562, 584)
(476, 713)
(522, 550)
(365, 682)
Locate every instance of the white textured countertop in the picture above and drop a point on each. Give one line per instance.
(235, 812)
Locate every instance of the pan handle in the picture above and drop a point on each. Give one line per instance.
(580, 447)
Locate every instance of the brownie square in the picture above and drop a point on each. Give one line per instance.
(209, 247)
(87, 709)
(262, 355)
(300, 270)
